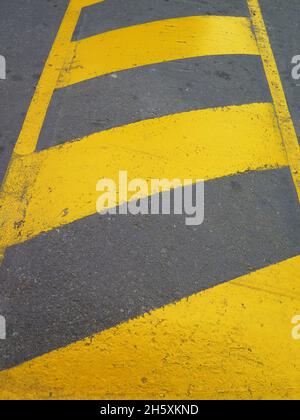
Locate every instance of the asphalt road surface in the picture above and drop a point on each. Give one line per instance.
(146, 306)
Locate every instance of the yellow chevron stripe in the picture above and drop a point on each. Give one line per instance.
(36, 113)
(233, 341)
(85, 3)
(57, 186)
(156, 42)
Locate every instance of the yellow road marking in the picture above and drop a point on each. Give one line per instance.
(85, 3)
(220, 343)
(282, 110)
(156, 42)
(233, 341)
(57, 186)
(37, 111)
(29, 135)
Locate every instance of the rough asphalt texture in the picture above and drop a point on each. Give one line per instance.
(98, 272)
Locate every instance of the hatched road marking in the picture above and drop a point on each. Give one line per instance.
(226, 338)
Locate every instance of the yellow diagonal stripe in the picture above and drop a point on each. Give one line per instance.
(57, 186)
(42, 96)
(37, 110)
(233, 341)
(85, 3)
(156, 42)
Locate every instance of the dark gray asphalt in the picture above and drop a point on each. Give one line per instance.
(114, 14)
(282, 19)
(27, 31)
(98, 272)
(152, 92)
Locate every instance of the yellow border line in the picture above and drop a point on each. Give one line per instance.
(285, 121)
(29, 134)
(28, 138)
(35, 117)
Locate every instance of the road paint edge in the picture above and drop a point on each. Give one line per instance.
(33, 122)
(224, 336)
(282, 112)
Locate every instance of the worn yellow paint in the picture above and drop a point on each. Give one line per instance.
(233, 341)
(57, 186)
(282, 110)
(85, 3)
(230, 342)
(29, 135)
(37, 110)
(156, 42)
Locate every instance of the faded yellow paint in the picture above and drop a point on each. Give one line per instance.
(233, 341)
(230, 342)
(282, 110)
(85, 3)
(36, 113)
(57, 186)
(156, 42)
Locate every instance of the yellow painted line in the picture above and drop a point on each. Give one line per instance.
(282, 110)
(157, 42)
(86, 3)
(230, 342)
(57, 186)
(37, 111)
(29, 135)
